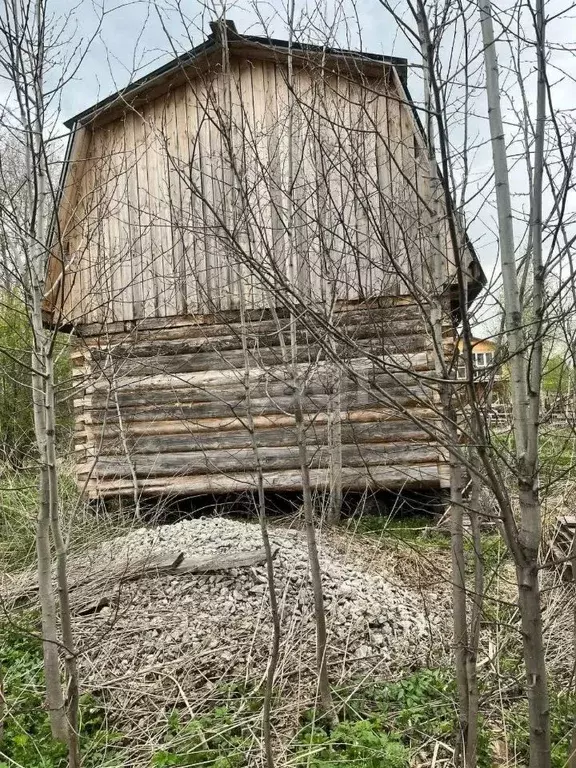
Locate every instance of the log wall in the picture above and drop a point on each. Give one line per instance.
(164, 404)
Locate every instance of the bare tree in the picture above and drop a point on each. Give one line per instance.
(30, 43)
(526, 380)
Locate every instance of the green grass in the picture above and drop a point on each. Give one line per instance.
(416, 530)
(19, 510)
(27, 740)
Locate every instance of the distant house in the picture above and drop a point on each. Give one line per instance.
(199, 205)
(489, 380)
(483, 353)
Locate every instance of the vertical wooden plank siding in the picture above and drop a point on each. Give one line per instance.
(180, 210)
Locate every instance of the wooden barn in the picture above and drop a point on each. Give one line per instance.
(252, 220)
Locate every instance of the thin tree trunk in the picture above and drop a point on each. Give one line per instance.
(439, 281)
(471, 755)
(30, 103)
(50, 641)
(275, 615)
(513, 313)
(42, 426)
(64, 716)
(572, 756)
(335, 441)
(459, 608)
(261, 507)
(315, 571)
(525, 400)
(70, 658)
(2, 705)
(535, 663)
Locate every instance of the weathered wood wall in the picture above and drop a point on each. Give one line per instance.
(226, 194)
(183, 203)
(165, 404)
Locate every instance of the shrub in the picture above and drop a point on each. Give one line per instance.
(17, 441)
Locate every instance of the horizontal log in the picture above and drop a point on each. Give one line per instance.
(235, 391)
(420, 362)
(238, 407)
(402, 306)
(386, 432)
(373, 478)
(215, 360)
(257, 338)
(193, 426)
(246, 459)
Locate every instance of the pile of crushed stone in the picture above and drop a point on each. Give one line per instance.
(169, 639)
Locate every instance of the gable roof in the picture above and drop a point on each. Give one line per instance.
(224, 33)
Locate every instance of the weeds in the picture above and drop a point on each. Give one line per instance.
(17, 439)
(358, 744)
(379, 725)
(19, 508)
(561, 724)
(416, 530)
(27, 740)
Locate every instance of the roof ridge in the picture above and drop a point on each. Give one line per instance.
(214, 40)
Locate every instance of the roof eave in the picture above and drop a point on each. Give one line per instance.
(141, 84)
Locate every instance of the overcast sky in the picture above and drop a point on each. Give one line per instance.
(134, 36)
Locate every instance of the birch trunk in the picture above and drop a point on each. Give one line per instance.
(512, 308)
(36, 261)
(50, 640)
(70, 657)
(471, 755)
(28, 74)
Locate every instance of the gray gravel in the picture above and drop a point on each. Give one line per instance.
(169, 637)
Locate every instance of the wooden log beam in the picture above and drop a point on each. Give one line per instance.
(373, 478)
(94, 588)
(244, 460)
(234, 404)
(216, 360)
(410, 364)
(131, 346)
(219, 322)
(403, 432)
